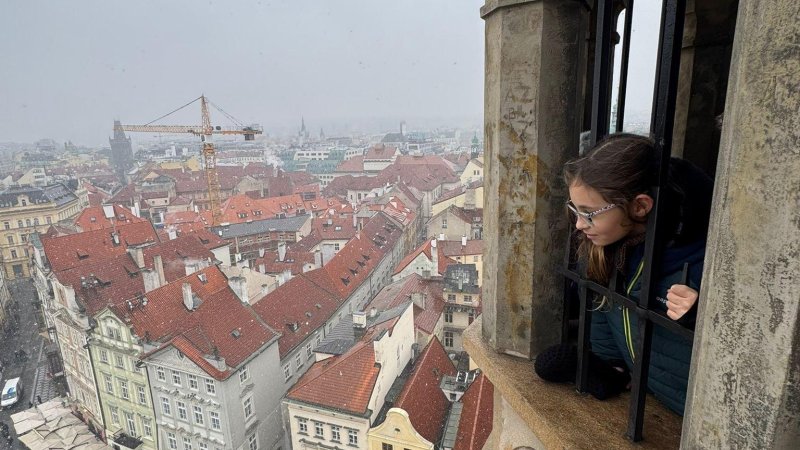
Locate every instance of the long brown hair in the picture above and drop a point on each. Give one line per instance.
(619, 168)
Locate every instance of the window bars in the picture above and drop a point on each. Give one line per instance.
(661, 127)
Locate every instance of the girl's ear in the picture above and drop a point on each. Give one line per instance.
(641, 205)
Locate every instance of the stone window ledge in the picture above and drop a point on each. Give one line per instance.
(558, 415)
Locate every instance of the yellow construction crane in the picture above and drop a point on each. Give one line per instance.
(205, 131)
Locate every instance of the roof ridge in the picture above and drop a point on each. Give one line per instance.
(356, 349)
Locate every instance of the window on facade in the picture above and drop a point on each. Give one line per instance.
(319, 431)
(308, 350)
(187, 443)
(444, 222)
(214, 418)
(161, 374)
(23, 237)
(385, 446)
(119, 361)
(147, 427)
(448, 316)
(114, 415)
(192, 381)
(287, 372)
(298, 361)
(123, 389)
(176, 378)
(36, 221)
(27, 222)
(109, 383)
(131, 423)
(199, 418)
(352, 437)
(48, 219)
(172, 441)
(202, 446)
(181, 407)
(302, 425)
(244, 374)
(13, 254)
(252, 442)
(10, 239)
(317, 340)
(336, 246)
(19, 224)
(451, 297)
(448, 338)
(211, 388)
(467, 299)
(103, 356)
(165, 406)
(7, 225)
(247, 403)
(336, 433)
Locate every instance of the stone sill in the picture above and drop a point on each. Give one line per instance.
(558, 415)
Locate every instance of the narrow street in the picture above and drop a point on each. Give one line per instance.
(22, 334)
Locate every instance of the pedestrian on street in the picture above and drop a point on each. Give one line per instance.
(39, 399)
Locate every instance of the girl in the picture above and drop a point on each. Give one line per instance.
(610, 202)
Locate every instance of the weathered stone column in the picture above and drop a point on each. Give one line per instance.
(744, 390)
(535, 53)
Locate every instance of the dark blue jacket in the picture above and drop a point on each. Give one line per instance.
(614, 333)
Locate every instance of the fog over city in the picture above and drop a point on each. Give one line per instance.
(70, 68)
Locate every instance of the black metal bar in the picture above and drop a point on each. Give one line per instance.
(584, 334)
(623, 69)
(603, 70)
(667, 69)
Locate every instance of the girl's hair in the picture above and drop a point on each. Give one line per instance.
(619, 168)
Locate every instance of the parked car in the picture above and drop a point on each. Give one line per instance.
(11, 393)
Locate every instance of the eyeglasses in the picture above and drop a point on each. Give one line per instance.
(587, 216)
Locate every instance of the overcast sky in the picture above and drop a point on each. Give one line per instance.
(71, 67)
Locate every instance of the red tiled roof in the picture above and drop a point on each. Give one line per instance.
(422, 398)
(426, 248)
(476, 416)
(73, 250)
(94, 218)
(381, 152)
(176, 253)
(354, 164)
(241, 208)
(208, 329)
(294, 261)
(102, 282)
(344, 383)
(398, 292)
(454, 248)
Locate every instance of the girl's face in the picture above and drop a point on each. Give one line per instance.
(609, 226)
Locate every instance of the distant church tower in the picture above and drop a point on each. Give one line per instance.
(302, 135)
(475, 148)
(121, 152)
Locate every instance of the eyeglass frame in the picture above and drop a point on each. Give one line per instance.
(587, 216)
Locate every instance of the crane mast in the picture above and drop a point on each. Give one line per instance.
(205, 131)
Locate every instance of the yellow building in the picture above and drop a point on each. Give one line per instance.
(469, 196)
(473, 171)
(26, 210)
(396, 432)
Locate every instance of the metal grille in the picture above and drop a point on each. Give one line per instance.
(662, 121)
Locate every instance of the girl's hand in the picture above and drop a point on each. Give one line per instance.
(680, 299)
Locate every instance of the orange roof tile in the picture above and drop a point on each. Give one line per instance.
(94, 218)
(476, 416)
(400, 291)
(344, 383)
(421, 397)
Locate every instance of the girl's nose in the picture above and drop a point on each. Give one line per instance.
(581, 223)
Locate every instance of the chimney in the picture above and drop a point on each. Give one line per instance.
(150, 280)
(159, 266)
(261, 253)
(355, 221)
(262, 268)
(239, 286)
(137, 253)
(434, 257)
(188, 297)
(373, 312)
(318, 258)
(359, 324)
(281, 251)
(172, 233)
(419, 299)
(441, 236)
(463, 241)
